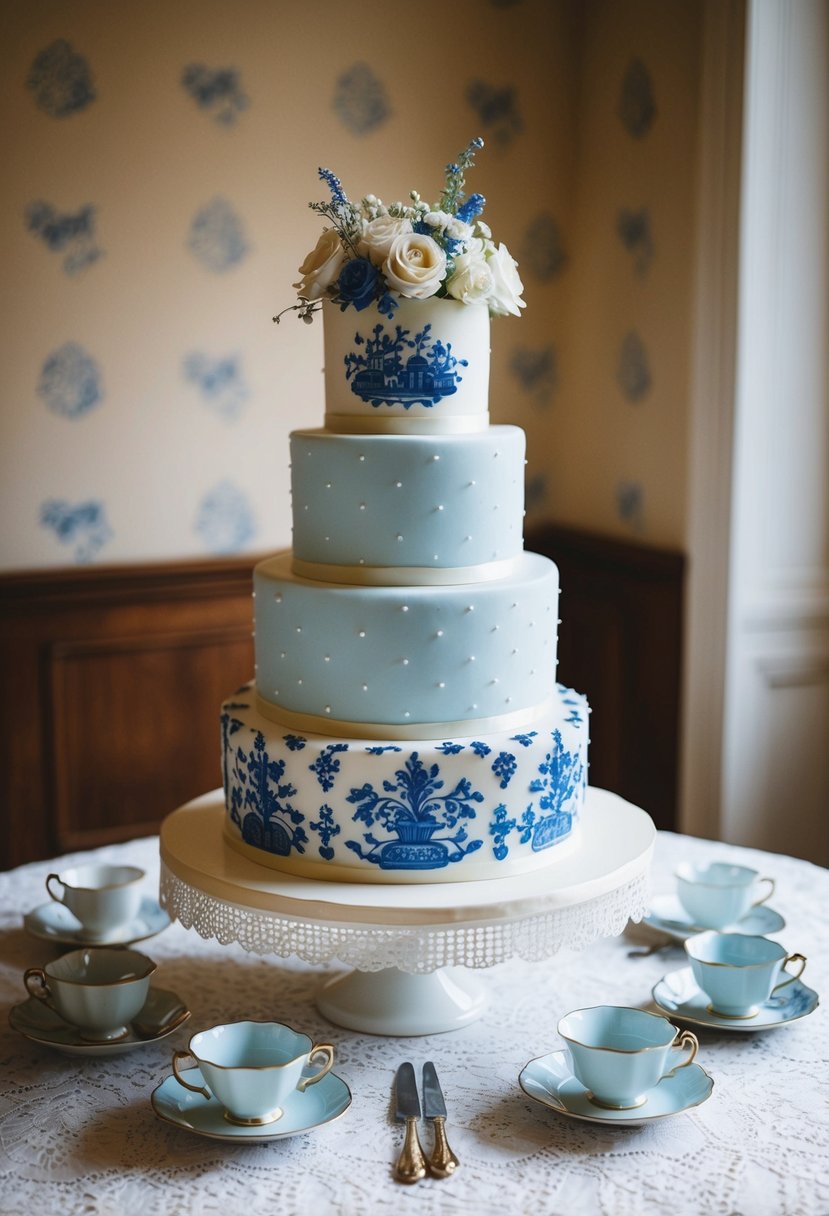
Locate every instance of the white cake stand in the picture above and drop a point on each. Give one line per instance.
(413, 949)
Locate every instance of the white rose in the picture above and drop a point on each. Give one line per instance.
(471, 278)
(322, 266)
(505, 296)
(415, 266)
(378, 235)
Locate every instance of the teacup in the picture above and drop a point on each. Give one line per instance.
(739, 972)
(98, 990)
(718, 893)
(619, 1054)
(252, 1068)
(101, 897)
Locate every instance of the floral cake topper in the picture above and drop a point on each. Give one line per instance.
(373, 253)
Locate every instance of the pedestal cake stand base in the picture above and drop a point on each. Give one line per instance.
(411, 947)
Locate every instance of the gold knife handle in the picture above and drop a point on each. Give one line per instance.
(443, 1161)
(411, 1164)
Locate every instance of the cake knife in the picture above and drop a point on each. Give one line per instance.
(443, 1161)
(411, 1164)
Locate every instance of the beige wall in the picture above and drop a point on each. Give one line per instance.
(131, 457)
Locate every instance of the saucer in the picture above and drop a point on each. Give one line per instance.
(321, 1103)
(38, 1022)
(668, 916)
(678, 995)
(53, 922)
(550, 1080)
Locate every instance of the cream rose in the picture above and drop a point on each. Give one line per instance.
(505, 296)
(322, 266)
(471, 278)
(415, 266)
(378, 235)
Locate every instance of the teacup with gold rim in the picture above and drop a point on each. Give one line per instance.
(718, 893)
(619, 1054)
(102, 897)
(739, 972)
(97, 989)
(253, 1068)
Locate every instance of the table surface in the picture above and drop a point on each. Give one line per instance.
(78, 1133)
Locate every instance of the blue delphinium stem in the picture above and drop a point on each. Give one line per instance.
(453, 188)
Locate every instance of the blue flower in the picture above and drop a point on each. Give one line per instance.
(357, 283)
(386, 305)
(472, 208)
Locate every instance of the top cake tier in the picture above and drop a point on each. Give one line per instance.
(424, 369)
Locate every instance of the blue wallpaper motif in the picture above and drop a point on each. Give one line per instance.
(360, 100)
(69, 233)
(637, 106)
(70, 381)
(630, 503)
(634, 229)
(536, 371)
(497, 110)
(225, 520)
(634, 373)
(217, 91)
(542, 249)
(217, 236)
(220, 382)
(60, 80)
(85, 526)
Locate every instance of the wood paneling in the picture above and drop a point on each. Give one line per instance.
(112, 681)
(620, 643)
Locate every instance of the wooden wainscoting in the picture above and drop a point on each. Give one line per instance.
(112, 681)
(620, 643)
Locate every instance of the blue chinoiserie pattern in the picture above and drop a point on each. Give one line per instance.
(381, 375)
(417, 819)
(291, 795)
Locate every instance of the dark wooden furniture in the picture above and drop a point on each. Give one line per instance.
(111, 686)
(112, 680)
(620, 643)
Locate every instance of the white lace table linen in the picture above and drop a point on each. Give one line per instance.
(78, 1134)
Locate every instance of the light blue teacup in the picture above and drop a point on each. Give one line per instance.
(739, 972)
(98, 990)
(717, 893)
(619, 1054)
(252, 1068)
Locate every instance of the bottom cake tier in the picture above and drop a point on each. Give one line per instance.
(404, 811)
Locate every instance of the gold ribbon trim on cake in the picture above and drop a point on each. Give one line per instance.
(322, 724)
(427, 424)
(402, 576)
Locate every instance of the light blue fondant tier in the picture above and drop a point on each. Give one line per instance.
(432, 501)
(406, 655)
(424, 368)
(477, 806)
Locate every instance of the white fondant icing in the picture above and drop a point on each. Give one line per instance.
(463, 331)
(378, 810)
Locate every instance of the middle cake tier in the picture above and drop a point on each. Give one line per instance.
(404, 656)
(380, 508)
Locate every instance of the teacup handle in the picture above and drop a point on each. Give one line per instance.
(318, 1049)
(685, 1040)
(767, 895)
(793, 958)
(178, 1056)
(56, 878)
(42, 991)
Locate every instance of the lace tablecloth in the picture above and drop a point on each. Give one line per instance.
(78, 1133)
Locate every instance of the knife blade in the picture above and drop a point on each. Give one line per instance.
(411, 1164)
(442, 1161)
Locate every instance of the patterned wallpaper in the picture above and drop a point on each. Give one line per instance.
(160, 158)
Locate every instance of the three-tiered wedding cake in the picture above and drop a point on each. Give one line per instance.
(405, 724)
